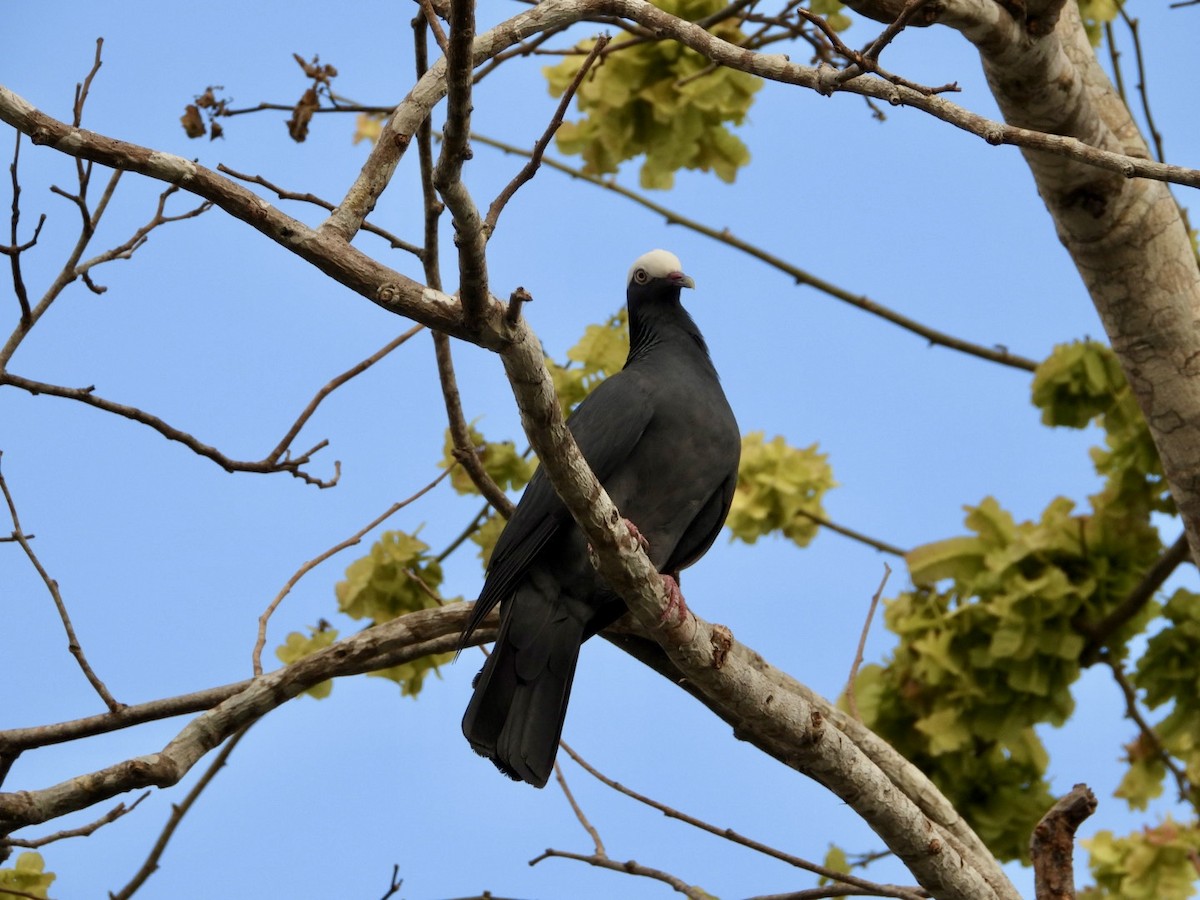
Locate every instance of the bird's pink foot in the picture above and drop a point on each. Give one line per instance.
(637, 535)
(675, 601)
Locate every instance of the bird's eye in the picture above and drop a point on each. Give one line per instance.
(641, 276)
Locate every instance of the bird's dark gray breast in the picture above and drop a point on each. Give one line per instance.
(678, 480)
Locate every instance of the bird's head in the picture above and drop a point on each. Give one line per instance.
(657, 272)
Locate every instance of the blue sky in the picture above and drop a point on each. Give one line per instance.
(166, 561)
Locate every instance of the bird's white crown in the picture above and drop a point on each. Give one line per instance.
(657, 263)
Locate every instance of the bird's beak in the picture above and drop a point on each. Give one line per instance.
(680, 280)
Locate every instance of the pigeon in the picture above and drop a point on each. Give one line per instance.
(661, 438)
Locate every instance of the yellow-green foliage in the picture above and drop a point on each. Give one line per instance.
(500, 459)
(659, 98)
(1096, 14)
(777, 484)
(28, 876)
(1168, 673)
(1152, 864)
(398, 576)
(989, 644)
(600, 353)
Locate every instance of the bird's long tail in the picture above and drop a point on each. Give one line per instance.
(516, 715)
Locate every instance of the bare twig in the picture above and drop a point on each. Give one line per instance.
(395, 242)
(263, 619)
(629, 867)
(52, 586)
(178, 811)
(1052, 846)
(911, 8)
(396, 883)
(14, 251)
(435, 25)
(997, 355)
(1182, 783)
(469, 234)
(111, 816)
(285, 463)
(729, 834)
(535, 156)
(466, 454)
(579, 814)
(881, 546)
(281, 449)
(127, 249)
(851, 697)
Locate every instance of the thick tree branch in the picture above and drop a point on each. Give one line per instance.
(401, 640)
(1053, 844)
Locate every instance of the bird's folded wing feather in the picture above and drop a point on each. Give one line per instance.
(607, 427)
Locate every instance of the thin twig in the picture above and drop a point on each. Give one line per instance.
(629, 867)
(178, 811)
(283, 194)
(139, 237)
(355, 538)
(881, 546)
(578, 810)
(466, 454)
(396, 883)
(431, 19)
(290, 464)
(851, 698)
(111, 816)
(535, 157)
(52, 586)
(1182, 782)
(14, 251)
(729, 834)
(997, 355)
(332, 385)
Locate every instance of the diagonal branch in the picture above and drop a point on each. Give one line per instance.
(800, 276)
(307, 567)
(401, 640)
(276, 462)
(535, 156)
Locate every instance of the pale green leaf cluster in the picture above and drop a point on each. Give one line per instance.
(777, 485)
(661, 100)
(601, 352)
(1168, 674)
(503, 464)
(398, 576)
(1152, 864)
(1081, 383)
(297, 646)
(28, 876)
(989, 644)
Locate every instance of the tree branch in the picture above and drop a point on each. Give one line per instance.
(800, 276)
(1053, 844)
(73, 644)
(401, 640)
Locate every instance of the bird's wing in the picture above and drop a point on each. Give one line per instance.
(607, 427)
